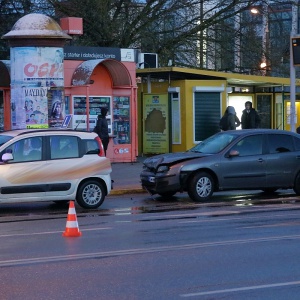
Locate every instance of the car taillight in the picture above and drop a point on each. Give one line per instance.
(101, 153)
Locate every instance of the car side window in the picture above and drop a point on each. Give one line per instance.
(63, 146)
(279, 143)
(29, 149)
(297, 143)
(92, 147)
(250, 145)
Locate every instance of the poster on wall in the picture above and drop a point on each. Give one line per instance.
(156, 123)
(17, 108)
(34, 70)
(56, 107)
(36, 107)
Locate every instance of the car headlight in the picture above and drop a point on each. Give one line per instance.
(162, 169)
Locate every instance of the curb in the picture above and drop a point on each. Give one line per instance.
(127, 191)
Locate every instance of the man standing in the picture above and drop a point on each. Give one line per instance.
(102, 128)
(250, 118)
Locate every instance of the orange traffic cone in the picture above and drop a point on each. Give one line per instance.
(72, 229)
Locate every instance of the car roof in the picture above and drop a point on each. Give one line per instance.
(260, 130)
(19, 132)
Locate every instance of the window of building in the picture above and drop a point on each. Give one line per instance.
(176, 118)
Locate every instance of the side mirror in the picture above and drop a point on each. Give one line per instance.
(7, 157)
(234, 153)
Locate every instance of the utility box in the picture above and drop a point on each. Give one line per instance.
(71, 25)
(147, 60)
(296, 50)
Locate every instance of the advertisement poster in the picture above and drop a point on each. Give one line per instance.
(36, 107)
(156, 123)
(18, 119)
(56, 107)
(34, 71)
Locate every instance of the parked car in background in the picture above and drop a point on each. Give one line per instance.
(265, 159)
(53, 165)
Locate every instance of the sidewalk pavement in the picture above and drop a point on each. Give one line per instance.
(126, 177)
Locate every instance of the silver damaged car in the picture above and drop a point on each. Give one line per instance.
(264, 159)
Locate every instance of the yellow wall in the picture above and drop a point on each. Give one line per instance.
(186, 106)
(287, 120)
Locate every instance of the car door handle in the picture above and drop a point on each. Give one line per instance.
(260, 160)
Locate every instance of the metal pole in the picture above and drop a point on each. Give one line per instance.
(293, 71)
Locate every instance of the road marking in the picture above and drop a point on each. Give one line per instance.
(246, 288)
(116, 253)
(234, 217)
(51, 232)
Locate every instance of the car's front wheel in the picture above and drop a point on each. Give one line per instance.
(90, 194)
(201, 187)
(297, 184)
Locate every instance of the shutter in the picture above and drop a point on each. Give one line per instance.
(206, 114)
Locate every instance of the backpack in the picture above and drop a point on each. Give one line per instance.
(224, 123)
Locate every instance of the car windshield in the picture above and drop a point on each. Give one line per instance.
(4, 139)
(215, 143)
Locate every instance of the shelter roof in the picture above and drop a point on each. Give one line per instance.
(233, 79)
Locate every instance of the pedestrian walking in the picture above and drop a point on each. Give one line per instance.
(101, 128)
(229, 120)
(250, 118)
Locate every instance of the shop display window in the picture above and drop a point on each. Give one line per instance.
(121, 118)
(95, 104)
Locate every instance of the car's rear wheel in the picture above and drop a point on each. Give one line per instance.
(201, 187)
(90, 194)
(297, 184)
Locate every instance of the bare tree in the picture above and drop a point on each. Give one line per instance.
(211, 34)
(170, 28)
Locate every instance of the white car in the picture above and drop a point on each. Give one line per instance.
(53, 165)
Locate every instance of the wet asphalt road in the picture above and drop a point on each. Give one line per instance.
(141, 247)
(145, 203)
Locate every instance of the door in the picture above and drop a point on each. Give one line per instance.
(283, 161)
(246, 170)
(23, 178)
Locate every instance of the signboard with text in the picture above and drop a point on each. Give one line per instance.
(156, 123)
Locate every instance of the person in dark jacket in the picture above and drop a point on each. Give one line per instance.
(229, 121)
(102, 128)
(250, 118)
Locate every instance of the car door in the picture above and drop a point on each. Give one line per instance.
(63, 166)
(22, 179)
(247, 169)
(282, 161)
